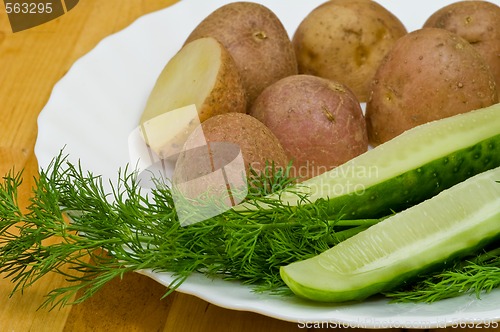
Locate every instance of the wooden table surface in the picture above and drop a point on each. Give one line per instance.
(31, 62)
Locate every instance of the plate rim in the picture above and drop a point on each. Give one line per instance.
(43, 158)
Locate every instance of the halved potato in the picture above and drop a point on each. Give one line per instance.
(202, 74)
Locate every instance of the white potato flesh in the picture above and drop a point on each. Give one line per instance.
(188, 78)
(166, 133)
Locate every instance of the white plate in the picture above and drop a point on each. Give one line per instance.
(94, 108)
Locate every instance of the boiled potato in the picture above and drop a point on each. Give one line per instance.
(429, 74)
(345, 40)
(202, 77)
(256, 39)
(478, 22)
(318, 121)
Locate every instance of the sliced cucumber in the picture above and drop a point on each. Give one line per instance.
(457, 220)
(410, 168)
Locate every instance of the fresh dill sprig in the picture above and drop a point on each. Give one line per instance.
(269, 180)
(477, 276)
(75, 226)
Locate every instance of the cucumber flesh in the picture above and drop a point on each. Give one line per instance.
(454, 222)
(408, 169)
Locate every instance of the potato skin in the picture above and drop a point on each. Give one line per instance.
(211, 82)
(346, 40)
(318, 121)
(429, 74)
(256, 39)
(228, 93)
(258, 145)
(478, 22)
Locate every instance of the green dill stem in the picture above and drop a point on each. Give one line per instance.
(477, 275)
(493, 254)
(362, 223)
(355, 222)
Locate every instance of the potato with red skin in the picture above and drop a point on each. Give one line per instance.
(216, 143)
(256, 39)
(346, 40)
(430, 74)
(478, 22)
(319, 122)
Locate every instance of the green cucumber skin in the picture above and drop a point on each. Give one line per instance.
(362, 294)
(417, 185)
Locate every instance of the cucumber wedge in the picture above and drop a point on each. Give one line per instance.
(410, 168)
(456, 221)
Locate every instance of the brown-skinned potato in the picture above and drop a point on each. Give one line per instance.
(478, 22)
(215, 145)
(429, 74)
(202, 75)
(257, 41)
(346, 40)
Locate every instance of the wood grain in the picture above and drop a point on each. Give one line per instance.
(31, 62)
